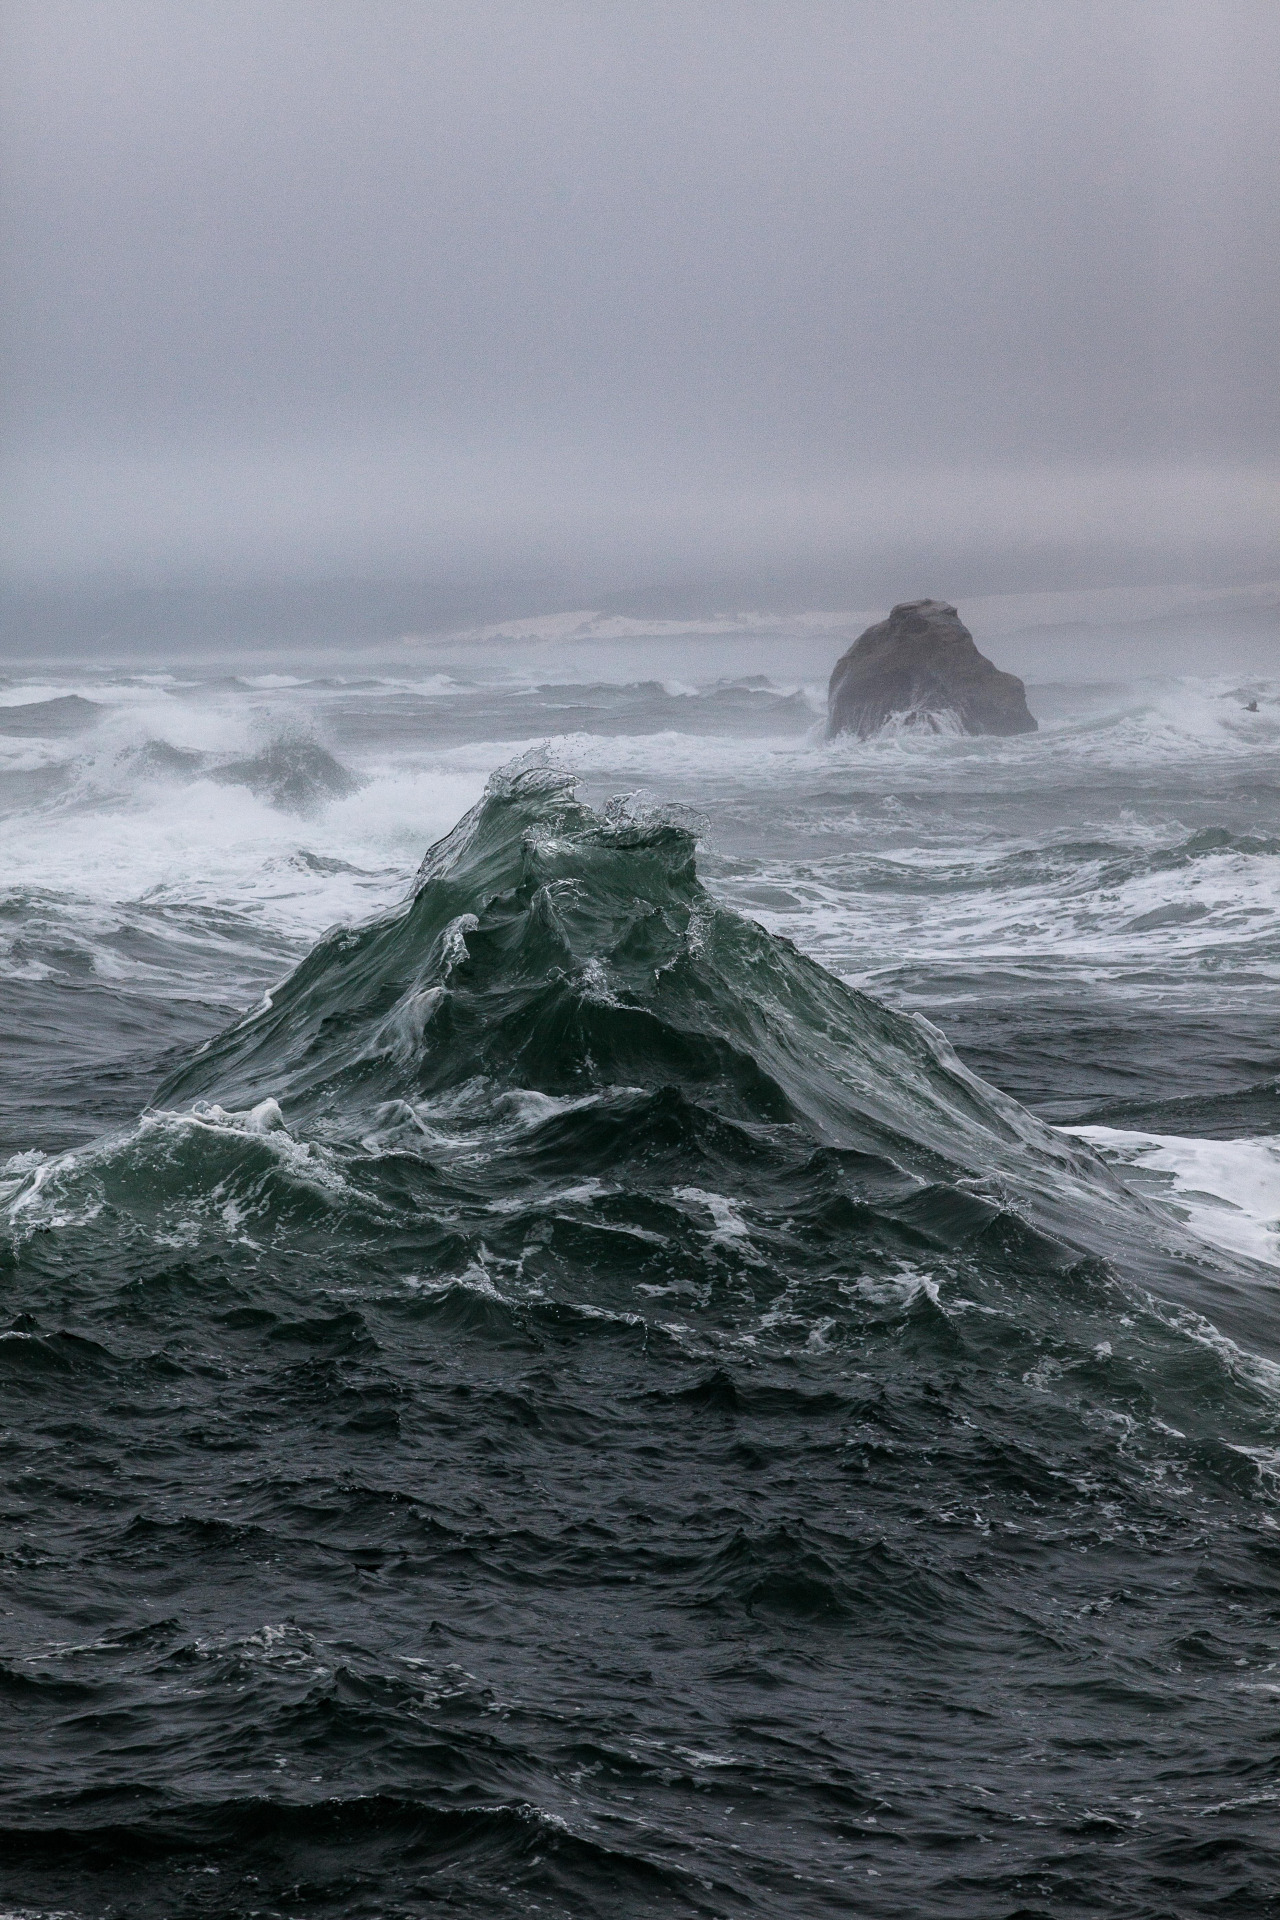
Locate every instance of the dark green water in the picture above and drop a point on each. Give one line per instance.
(570, 1407)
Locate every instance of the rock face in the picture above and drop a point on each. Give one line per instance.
(921, 667)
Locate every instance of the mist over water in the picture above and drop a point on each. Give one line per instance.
(711, 1348)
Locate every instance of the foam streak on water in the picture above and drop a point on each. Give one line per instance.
(711, 1352)
(1228, 1190)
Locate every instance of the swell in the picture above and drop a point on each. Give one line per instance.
(341, 1852)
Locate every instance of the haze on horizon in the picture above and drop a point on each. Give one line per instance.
(549, 303)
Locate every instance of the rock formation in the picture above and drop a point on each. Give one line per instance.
(920, 667)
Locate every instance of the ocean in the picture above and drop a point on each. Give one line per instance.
(613, 1309)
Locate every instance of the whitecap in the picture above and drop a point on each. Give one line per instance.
(1227, 1191)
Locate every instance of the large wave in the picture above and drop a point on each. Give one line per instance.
(554, 953)
(560, 1002)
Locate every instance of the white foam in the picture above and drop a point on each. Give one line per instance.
(1227, 1191)
(729, 1229)
(473, 1121)
(43, 1193)
(898, 885)
(198, 842)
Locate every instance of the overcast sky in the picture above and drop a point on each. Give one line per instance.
(623, 293)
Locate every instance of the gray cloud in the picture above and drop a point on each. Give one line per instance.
(623, 292)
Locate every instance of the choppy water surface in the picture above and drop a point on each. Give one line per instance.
(537, 1381)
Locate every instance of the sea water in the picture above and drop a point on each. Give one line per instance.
(710, 1347)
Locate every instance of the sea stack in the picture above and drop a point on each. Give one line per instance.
(920, 667)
